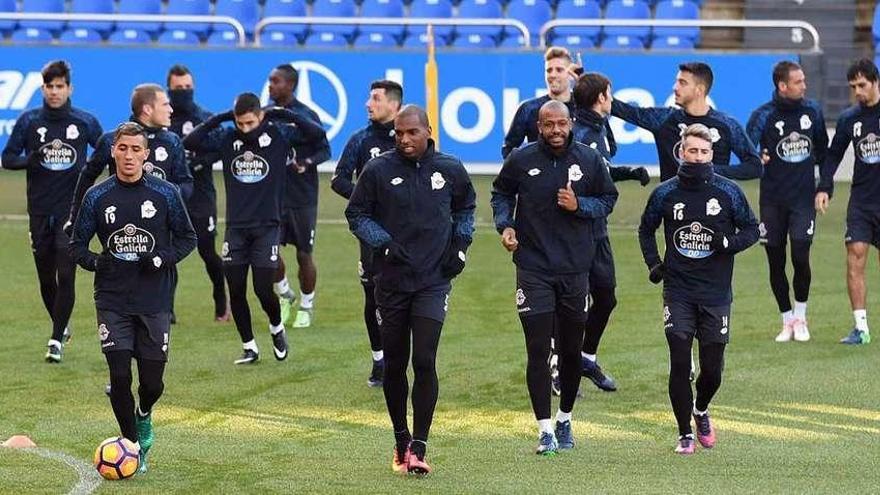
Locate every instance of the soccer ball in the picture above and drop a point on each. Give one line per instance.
(116, 458)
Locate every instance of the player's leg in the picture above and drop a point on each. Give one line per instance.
(44, 262)
(773, 230)
(281, 285)
(306, 222)
(394, 324)
(65, 294)
(264, 259)
(151, 352)
(802, 227)
(859, 235)
(206, 232)
(602, 303)
(680, 324)
(377, 371)
(572, 308)
(117, 336)
(713, 332)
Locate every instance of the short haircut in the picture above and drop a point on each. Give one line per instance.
(177, 70)
(701, 71)
(554, 105)
(698, 131)
(144, 94)
(557, 52)
(56, 69)
(417, 111)
(393, 90)
(588, 88)
(863, 67)
(246, 103)
(781, 71)
(129, 129)
(290, 74)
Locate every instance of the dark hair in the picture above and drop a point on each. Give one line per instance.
(701, 71)
(129, 129)
(781, 71)
(177, 70)
(144, 94)
(246, 103)
(393, 90)
(56, 69)
(588, 88)
(863, 67)
(290, 74)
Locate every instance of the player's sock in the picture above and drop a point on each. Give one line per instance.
(800, 310)
(698, 412)
(250, 345)
(276, 329)
(787, 317)
(378, 355)
(307, 300)
(591, 357)
(562, 417)
(861, 317)
(545, 426)
(282, 289)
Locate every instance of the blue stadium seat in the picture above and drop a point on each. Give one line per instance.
(222, 37)
(441, 9)
(271, 37)
(677, 9)
(513, 41)
(574, 41)
(578, 9)
(623, 42)
(875, 30)
(80, 35)
(143, 7)
(178, 37)
(129, 36)
(91, 7)
(386, 9)
(375, 40)
(420, 40)
(246, 11)
(334, 8)
(532, 13)
(486, 9)
(31, 35)
(474, 40)
(7, 6)
(326, 38)
(286, 8)
(628, 9)
(672, 43)
(189, 7)
(42, 7)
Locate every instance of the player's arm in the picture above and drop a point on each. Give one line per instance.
(609, 135)
(745, 223)
(601, 202)
(83, 230)
(464, 203)
(95, 132)
(650, 222)
(12, 158)
(828, 167)
(750, 166)
(208, 136)
(182, 176)
(756, 125)
(820, 137)
(343, 177)
(100, 160)
(648, 118)
(361, 209)
(621, 173)
(517, 132)
(505, 188)
(183, 236)
(308, 134)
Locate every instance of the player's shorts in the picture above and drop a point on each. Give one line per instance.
(708, 324)
(396, 307)
(47, 235)
(365, 264)
(298, 228)
(602, 271)
(538, 293)
(146, 336)
(204, 226)
(779, 222)
(862, 225)
(255, 246)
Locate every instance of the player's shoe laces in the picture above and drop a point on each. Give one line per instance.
(303, 318)
(248, 357)
(593, 371)
(400, 459)
(279, 345)
(377, 374)
(801, 332)
(856, 337)
(685, 445)
(564, 437)
(555, 382)
(787, 332)
(54, 352)
(547, 444)
(705, 431)
(144, 425)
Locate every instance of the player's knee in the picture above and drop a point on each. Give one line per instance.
(424, 363)
(604, 300)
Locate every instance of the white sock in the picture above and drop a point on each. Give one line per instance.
(275, 330)
(282, 287)
(787, 317)
(545, 426)
(591, 357)
(307, 300)
(700, 413)
(141, 413)
(53, 342)
(562, 417)
(137, 445)
(251, 344)
(800, 310)
(861, 317)
(378, 355)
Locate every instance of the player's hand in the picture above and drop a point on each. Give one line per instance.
(151, 263)
(719, 242)
(765, 156)
(396, 254)
(219, 118)
(566, 199)
(822, 201)
(103, 262)
(641, 175)
(454, 258)
(656, 273)
(508, 239)
(35, 159)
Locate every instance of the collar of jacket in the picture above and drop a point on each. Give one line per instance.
(589, 117)
(426, 156)
(57, 113)
(547, 150)
(380, 128)
(694, 175)
(151, 130)
(786, 103)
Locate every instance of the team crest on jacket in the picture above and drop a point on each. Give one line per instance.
(713, 207)
(161, 154)
(187, 127)
(806, 123)
(692, 241)
(716, 136)
(535, 171)
(868, 149)
(147, 209)
(437, 181)
(57, 155)
(103, 333)
(396, 181)
(264, 140)
(249, 167)
(520, 297)
(72, 132)
(130, 242)
(795, 148)
(574, 172)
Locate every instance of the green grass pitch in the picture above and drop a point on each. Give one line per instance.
(791, 418)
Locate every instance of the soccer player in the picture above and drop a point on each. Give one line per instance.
(415, 207)
(592, 96)
(300, 216)
(545, 200)
(254, 154)
(202, 205)
(859, 125)
(144, 231)
(706, 221)
(790, 132)
(691, 89)
(54, 140)
(364, 145)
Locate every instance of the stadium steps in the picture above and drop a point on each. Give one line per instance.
(721, 38)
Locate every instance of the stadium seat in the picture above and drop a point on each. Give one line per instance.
(271, 37)
(246, 11)
(326, 38)
(485, 9)
(80, 35)
(441, 9)
(876, 26)
(573, 41)
(189, 7)
(222, 37)
(672, 43)
(386, 9)
(144, 7)
(7, 6)
(31, 35)
(178, 37)
(375, 40)
(129, 36)
(474, 41)
(513, 41)
(532, 13)
(628, 9)
(677, 9)
(42, 7)
(91, 7)
(578, 9)
(285, 8)
(334, 8)
(420, 40)
(622, 42)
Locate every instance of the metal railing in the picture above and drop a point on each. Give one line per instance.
(397, 21)
(164, 18)
(714, 23)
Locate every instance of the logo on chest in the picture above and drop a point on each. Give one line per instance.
(249, 167)
(868, 149)
(57, 156)
(437, 181)
(693, 240)
(794, 148)
(130, 242)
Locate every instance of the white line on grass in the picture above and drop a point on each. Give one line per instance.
(89, 479)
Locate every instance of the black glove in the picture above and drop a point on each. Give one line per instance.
(656, 273)
(395, 254)
(278, 113)
(103, 262)
(641, 175)
(719, 242)
(454, 257)
(151, 262)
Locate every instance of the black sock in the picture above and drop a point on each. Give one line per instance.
(604, 301)
(121, 399)
(778, 278)
(800, 259)
(236, 277)
(537, 330)
(681, 394)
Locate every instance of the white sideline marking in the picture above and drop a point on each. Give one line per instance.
(89, 479)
